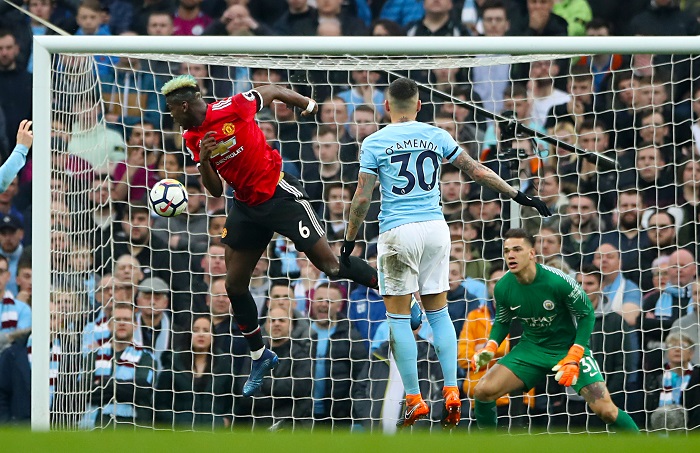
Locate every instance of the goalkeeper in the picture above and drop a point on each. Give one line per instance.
(557, 320)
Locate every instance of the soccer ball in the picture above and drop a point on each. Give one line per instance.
(168, 198)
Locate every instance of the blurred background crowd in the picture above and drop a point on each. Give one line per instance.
(142, 330)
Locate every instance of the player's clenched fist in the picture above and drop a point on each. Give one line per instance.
(25, 136)
(567, 369)
(483, 357)
(207, 146)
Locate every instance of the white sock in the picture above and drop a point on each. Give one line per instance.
(257, 354)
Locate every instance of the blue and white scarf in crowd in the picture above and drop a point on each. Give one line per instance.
(123, 370)
(674, 386)
(96, 333)
(55, 351)
(9, 313)
(665, 304)
(162, 343)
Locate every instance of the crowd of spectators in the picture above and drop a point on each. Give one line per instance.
(141, 327)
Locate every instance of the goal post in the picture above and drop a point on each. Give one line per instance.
(308, 55)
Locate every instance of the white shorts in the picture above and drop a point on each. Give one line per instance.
(414, 257)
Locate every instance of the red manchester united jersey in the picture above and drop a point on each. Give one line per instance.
(243, 157)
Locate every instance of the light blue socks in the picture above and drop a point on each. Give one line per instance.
(445, 343)
(403, 346)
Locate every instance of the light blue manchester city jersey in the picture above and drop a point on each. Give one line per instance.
(407, 158)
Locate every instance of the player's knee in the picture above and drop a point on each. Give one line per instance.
(330, 268)
(235, 286)
(485, 392)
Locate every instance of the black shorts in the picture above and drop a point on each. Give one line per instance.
(288, 213)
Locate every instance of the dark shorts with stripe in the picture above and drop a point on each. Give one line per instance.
(288, 213)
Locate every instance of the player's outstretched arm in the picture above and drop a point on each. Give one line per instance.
(270, 93)
(18, 158)
(210, 178)
(487, 177)
(358, 210)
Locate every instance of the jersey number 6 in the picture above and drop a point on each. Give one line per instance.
(404, 159)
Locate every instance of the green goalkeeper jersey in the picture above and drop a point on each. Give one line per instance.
(553, 309)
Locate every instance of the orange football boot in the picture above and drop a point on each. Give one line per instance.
(416, 409)
(453, 407)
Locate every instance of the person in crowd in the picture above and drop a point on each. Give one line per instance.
(300, 19)
(127, 271)
(363, 90)
(579, 86)
(622, 295)
(285, 400)
(579, 230)
(628, 237)
(332, 10)
(15, 316)
(549, 189)
(16, 104)
(135, 177)
(602, 66)
(135, 238)
(610, 341)
(142, 12)
(227, 335)
(189, 19)
(543, 92)
(94, 142)
(90, 23)
(548, 244)
(120, 378)
(664, 17)
(386, 27)
(437, 20)
(337, 353)
(98, 331)
(11, 248)
(654, 179)
(543, 21)
(196, 392)
(366, 309)
(690, 323)
(24, 279)
(130, 94)
(661, 237)
(490, 82)
(189, 230)
(460, 301)
(400, 12)
(16, 366)
(154, 325)
(281, 295)
(678, 381)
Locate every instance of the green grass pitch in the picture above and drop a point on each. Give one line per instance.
(124, 441)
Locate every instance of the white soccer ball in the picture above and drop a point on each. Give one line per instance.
(168, 198)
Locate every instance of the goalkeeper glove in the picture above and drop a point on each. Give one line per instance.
(567, 369)
(534, 202)
(483, 357)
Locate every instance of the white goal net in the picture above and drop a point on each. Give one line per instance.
(140, 327)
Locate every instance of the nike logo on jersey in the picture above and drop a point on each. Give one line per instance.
(515, 308)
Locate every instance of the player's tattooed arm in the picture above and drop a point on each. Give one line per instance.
(483, 175)
(270, 93)
(360, 203)
(594, 392)
(210, 178)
